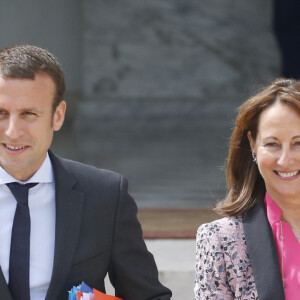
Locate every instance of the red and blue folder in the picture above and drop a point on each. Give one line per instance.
(84, 292)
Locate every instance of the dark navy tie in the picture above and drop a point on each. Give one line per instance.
(20, 243)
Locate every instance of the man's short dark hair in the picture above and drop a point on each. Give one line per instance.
(25, 61)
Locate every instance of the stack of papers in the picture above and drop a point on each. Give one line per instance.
(84, 292)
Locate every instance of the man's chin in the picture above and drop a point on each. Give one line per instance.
(17, 170)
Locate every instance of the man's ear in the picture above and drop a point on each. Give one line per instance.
(251, 141)
(59, 115)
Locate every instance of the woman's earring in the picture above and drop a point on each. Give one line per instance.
(254, 157)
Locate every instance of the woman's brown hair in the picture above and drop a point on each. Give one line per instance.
(245, 186)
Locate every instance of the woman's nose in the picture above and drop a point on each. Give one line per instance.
(284, 158)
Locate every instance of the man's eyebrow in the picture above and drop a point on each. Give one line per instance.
(32, 109)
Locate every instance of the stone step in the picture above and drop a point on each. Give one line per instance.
(173, 223)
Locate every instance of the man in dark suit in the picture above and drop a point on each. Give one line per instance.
(83, 221)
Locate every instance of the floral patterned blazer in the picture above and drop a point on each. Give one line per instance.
(236, 258)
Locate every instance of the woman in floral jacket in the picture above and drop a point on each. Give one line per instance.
(253, 252)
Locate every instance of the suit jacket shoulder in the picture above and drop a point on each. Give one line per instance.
(98, 185)
(86, 174)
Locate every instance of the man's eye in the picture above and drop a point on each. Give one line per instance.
(29, 115)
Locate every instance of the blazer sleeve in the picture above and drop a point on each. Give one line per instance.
(210, 279)
(132, 270)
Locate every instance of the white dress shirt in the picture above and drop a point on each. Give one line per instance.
(41, 202)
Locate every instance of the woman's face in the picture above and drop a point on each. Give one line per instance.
(277, 148)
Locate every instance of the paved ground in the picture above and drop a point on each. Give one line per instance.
(176, 263)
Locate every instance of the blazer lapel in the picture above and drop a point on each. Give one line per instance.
(4, 290)
(262, 254)
(69, 207)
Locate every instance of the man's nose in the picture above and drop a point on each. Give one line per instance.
(14, 128)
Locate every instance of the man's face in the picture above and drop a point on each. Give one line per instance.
(27, 123)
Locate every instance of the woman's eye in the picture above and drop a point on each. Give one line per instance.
(271, 145)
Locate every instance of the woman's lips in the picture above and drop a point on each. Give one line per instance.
(290, 174)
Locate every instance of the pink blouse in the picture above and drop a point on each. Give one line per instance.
(288, 246)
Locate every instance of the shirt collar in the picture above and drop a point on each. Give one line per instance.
(273, 211)
(43, 175)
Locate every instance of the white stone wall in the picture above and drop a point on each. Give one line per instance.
(54, 25)
(174, 48)
(162, 80)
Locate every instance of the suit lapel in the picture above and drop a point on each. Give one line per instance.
(4, 290)
(69, 207)
(262, 254)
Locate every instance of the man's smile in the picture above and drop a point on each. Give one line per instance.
(14, 148)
